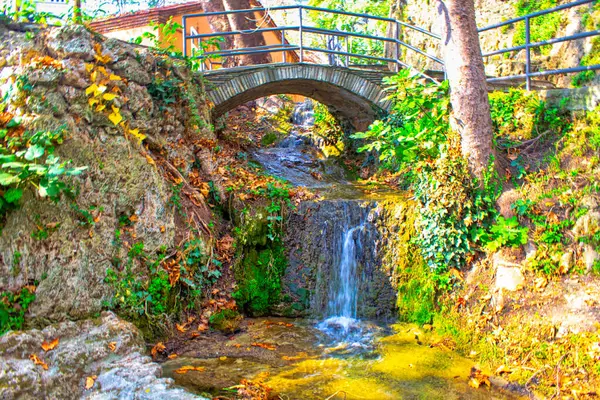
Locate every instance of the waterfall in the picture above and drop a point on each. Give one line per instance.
(342, 301)
(304, 115)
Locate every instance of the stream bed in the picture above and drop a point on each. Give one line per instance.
(335, 266)
(299, 361)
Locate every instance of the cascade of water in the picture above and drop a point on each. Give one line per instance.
(303, 114)
(343, 302)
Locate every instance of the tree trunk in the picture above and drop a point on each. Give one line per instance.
(468, 87)
(246, 21)
(77, 11)
(219, 23)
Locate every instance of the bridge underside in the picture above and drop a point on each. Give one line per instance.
(355, 97)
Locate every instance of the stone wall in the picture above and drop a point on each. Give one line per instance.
(125, 181)
(488, 12)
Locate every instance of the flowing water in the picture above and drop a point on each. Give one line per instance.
(342, 355)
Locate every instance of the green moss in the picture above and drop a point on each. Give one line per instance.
(13, 307)
(227, 321)
(259, 278)
(542, 28)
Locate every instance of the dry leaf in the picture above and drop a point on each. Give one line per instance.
(89, 381)
(181, 328)
(37, 361)
(158, 348)
(47, 346)
(187, 368)
(265, 346)
(172, 356)
(112, 346)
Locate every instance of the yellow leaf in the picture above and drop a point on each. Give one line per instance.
(186, 368)
(92, 101)
(114, 77)
(93, 76)
(109, 96)
(115, 109)
(150, 161)
(47, 346)
(89, 67)
(136, 133)
(172, 356)
(89, 381)
(100, 107)
(112, 346)
(91, 89)
(101, 89)
(115, 118)
(102, 70)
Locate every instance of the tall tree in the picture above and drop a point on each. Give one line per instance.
(246, 21)
(219, 23)
(77, 11)
(468, 87)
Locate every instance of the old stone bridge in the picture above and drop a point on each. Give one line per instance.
(353, 95)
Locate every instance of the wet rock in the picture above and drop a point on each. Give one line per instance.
(48, 76)
(107, 347)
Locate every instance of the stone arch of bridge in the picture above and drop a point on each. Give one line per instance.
(356, 97)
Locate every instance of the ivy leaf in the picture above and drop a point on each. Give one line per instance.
(13, 195)
(115, 117)
(7, 179)
(13, 123)
(114, 77)
(109, 96)
(91, 89)
(34, 152)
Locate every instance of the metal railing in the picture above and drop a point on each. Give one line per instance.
(304, 30)
(528, 45)
(302, 46)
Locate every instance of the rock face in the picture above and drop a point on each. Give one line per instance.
(84, 350)
(489, 12)
(315, 242)
(122, 180)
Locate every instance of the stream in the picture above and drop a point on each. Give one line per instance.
(339, 351)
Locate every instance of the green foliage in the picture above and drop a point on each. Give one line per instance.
(155, 287)
(507, 232)
(326, 125)
(259, 279)
(165, 91)
(13, 307)
(543, 27)
(417, 126)
(353, 24)
(27, 159)
(225, 320)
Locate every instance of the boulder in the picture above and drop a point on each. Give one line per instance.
(108, 350)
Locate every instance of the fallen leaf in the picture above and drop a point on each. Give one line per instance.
(89, 381)
(158, 348)
(181, 328)
(265, 346)
(187, 368)
(112, 346)
(47, 346)
(114, 77)
(503, 369)
(172, 356)
(37, 361)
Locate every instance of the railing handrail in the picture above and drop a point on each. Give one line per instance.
(397, 40)
(536, 14)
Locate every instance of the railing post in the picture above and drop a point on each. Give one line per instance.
(397, 46)
(527, 54)
(283, 45)
(184, 36)
(348, 51)
(301, 36)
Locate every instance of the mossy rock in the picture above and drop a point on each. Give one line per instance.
(226, 321)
